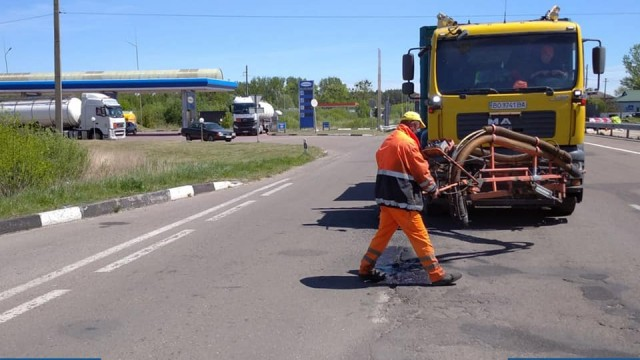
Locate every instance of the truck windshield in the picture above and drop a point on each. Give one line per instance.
(244, 108)
(510, 63)
(115, 111)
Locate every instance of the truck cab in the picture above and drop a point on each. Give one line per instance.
(102, 117)
(526, 77)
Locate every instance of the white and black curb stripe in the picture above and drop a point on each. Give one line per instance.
(109, 206)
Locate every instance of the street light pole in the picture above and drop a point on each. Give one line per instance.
(6, 65)
(136, 46)
(137, 68)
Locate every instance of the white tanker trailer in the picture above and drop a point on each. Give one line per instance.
(94, 115)
(249, 120)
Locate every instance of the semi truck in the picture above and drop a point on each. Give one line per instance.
(499, 135)
(249, 119)
(92, 116)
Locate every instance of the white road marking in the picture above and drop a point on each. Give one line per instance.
(276, 189)
(230, 211)
(21, 309)
(69, 268)
(613, 148)
(145, 251)
(637, 207)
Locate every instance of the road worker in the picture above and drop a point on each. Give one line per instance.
(403, 173)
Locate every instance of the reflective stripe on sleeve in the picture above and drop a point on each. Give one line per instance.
(431, 188)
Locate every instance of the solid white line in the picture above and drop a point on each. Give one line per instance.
(69, 268)
(613, 148)
(21, 309)
(637, 207)
(145, 251)
(230, 211)
(276, 189)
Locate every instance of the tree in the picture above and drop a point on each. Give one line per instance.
(332, 90)
(363, 94)
(631, 62)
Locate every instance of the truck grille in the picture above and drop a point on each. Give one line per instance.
(534, 123)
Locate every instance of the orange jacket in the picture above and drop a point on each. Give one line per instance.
(402, 171)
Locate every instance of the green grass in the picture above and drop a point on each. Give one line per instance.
(119, 168)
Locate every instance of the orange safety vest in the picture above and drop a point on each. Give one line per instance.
(402, 171)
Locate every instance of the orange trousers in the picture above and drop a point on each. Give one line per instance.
(411, 224)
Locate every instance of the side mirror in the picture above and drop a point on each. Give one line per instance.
(598, 59)
(407, 67)
(407, 88)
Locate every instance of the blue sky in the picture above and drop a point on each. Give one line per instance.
(312, 40)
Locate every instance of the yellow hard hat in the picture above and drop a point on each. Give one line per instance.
(412, 116)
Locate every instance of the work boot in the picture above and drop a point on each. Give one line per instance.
(449, 279)
(373, 276)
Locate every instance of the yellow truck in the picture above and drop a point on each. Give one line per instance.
(505, 110)
(129, 116)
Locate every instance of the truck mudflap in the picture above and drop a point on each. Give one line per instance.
(497, 167)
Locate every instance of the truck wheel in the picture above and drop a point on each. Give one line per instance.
(188, 137)
(566, 208)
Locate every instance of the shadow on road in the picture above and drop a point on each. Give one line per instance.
(351, 282)
(363, 191)
(350, 218)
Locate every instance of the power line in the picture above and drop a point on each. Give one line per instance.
(24, 19)
(319, 17)
(248, 16)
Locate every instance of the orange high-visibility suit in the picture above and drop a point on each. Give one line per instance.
(402, 175)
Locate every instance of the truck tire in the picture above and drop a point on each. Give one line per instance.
(566, 208)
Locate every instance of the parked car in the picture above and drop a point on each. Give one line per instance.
(210, 131)
(132, 128)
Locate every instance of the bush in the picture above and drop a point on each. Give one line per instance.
(36, 158)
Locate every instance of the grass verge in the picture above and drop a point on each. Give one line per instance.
(120, 168)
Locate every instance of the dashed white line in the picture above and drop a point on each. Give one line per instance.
(145, 251)
(230, 211)
(21, 309)
(276, 189)
(613, 148)
(69, 268)
(637, 207)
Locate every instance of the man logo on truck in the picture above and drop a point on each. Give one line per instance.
(496, 121)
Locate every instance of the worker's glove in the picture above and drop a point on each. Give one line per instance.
(434, 194)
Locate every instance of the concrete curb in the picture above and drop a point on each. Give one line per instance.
(74, 213)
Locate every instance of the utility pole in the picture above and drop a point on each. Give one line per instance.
(56, 56)
(586, 78)
(379, 101)
(246, 77)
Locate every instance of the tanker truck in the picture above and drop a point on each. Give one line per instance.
(249, 120)
(93, 116)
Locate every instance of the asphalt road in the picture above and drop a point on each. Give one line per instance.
(266, 270)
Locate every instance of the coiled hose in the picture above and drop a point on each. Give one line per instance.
(529, 145)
